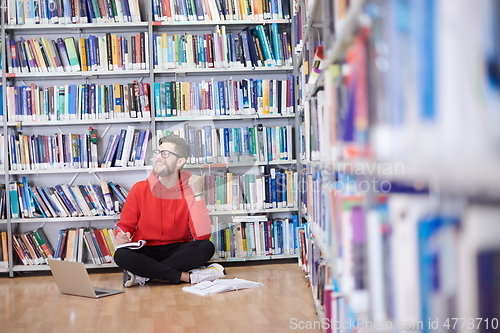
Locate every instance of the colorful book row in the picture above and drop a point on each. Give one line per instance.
(78, 102)
(76, 151)
(271, 188)
(48, 152)
(255, 236)
(82, 244)
(21, 12)
(259, 46)
(108, 52)
(241, 144)
(33, 247)
(219, 10)
(64, 200)
(220, 98)
(24, 12)
(129, 148)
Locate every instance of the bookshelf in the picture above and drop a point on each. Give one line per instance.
(119, 70)
(397, 186)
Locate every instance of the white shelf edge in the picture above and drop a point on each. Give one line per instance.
(217, 118)
(136, 72)
(320, 311)
(64, 219)
(88, 170)
(237, 164)
(116, 217)
(284, 256)
(147, 168)
(141, 120)
(267, 257)
(222, 22)
(76, 25)
(31, 268)
(252, 211)
(79, 122)
(309, 26)
(142, 24)
(223, 70)
(319, 237)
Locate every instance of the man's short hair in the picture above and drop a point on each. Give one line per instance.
(181, 147)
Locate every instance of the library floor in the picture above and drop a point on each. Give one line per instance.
(33, 304)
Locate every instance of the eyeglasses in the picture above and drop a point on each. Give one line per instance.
(165, 153)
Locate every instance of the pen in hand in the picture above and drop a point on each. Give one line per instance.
(124, 233)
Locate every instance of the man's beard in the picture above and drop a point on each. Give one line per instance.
(165, 171)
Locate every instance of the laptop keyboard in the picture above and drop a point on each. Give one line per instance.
(98, 292)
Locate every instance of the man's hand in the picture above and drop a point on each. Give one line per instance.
(122, 238)
(197, 183)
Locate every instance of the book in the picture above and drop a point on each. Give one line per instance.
(132, 245)
(206, 288)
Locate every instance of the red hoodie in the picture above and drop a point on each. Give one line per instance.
(161, 215)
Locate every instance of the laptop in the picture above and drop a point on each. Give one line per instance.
(72, 279)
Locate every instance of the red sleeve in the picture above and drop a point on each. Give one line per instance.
(199, 221)
(129, 215)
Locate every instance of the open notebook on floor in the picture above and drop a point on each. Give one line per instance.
(72, 279)
(132, 245)
(221, 285)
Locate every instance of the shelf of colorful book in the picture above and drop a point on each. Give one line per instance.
(319, 275)
(66, 219)
(324, 311)
(253, 211)
(342, 39)
(345, 32)
(210, 23)
(231, 10)
(30, 268)
(313, 19)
